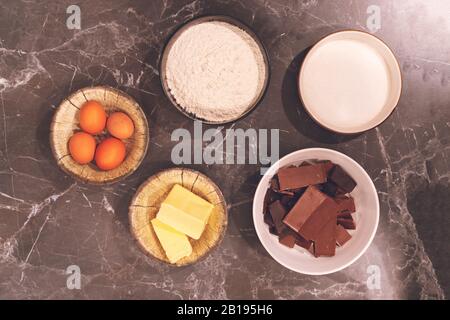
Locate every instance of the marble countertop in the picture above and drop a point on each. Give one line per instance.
(49, 222)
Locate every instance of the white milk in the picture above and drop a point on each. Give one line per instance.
(346, 83)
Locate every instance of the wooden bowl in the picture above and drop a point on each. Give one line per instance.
(65, 124)
(151, 194)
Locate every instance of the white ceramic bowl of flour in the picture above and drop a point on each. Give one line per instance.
(214, 69)
(350, 82)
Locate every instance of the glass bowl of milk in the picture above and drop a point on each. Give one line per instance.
(350, 82)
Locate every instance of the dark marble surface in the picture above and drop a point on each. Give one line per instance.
(48, 221)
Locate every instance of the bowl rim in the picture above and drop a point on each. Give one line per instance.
(398, 69)
(222, 201)
(258, 215)
(87, 181)
(221, 18)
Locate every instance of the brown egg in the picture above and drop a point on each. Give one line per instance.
(110, 153)
(120, 125)
(82, 147)
(92, 117)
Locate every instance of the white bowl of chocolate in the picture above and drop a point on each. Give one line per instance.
(316, 211)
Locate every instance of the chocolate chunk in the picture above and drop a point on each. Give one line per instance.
(313, 226)
(342, 179)
(274, 185)
(268, 220)
(288, 238)
(302, 242)
(298, 177)
(329, 188)
(342, 236)
(266, 201)
(347, 223)
(344, 215)
(270, 196)
(286, 199)
(278, 212)
(273, 231)
(325, 243)
(286, 193)
(328, 166)
(299, 192)
(345, 204)
(305, 206)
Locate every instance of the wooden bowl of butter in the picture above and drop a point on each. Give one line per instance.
(178, 216)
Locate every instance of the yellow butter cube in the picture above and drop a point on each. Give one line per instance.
(175, 244)
(185, 212)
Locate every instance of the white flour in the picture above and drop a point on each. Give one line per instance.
(215, 71)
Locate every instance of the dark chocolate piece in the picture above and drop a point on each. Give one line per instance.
(268, 199)
(268, 220)
(274, 183)
(302, 242)
(291, 178)
(342, 235)
(288, 238)
(286, 200)
(273, 231)
(299, 192)
(305, 206)
(347, 223)
(312, 228)
(278, 212)
(325, 243)
(342, 179)
(330, 188)
(344, 215)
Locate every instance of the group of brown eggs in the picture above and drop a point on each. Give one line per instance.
(111, 150)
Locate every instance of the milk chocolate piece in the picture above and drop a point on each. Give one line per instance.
(286, 193)
(342, 235)
(345, 204)
(312, 228)
(328, 166)
(344, 215)
(305, 206)
(347, 223)
(291, 178)
(342, 179)
(288, 238)
(278, 212)
(325, 243)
